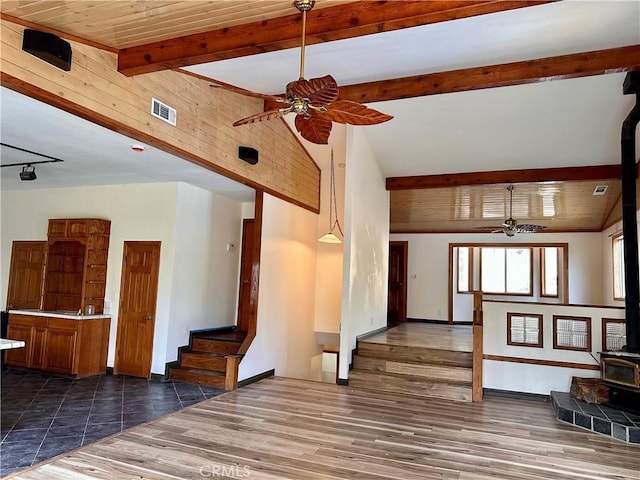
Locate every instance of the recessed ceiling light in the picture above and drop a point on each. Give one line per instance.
(137, 148)
(600, 189)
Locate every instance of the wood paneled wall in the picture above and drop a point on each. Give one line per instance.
(94, 90)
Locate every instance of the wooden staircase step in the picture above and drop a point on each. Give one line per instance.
(447, 373)
(195, 375)
(202, 344)
(413, 354)
(233, 336)
(409, 385)
(203, 361)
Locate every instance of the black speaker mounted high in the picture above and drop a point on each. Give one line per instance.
(248, 154)
(48, 47)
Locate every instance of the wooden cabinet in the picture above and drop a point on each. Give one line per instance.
(59, 345)
(76, 269)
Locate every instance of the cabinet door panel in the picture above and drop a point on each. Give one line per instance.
(37, 353)
(101, 227)
(20, 357)
(78, 228)
(25, 275)
(57, 228)
(60, 348)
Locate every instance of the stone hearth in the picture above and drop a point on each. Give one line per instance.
(603, 419)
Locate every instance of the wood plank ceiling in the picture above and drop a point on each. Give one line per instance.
(151, 36)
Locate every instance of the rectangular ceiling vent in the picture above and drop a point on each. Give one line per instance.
(600, 189)
(163, 111)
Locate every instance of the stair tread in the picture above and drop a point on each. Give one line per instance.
(207, 354)
(418, 362)
(235, 337)
(199, 371)
(413, 378)
(408, 347)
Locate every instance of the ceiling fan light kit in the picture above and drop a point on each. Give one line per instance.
(334, 222)
(315, 101)
(510, 226)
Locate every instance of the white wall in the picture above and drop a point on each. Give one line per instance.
(205, 274)
(328, 305)
(522, 377)
(285, 339)
(428, 289)
(137, 212)
(366, 246)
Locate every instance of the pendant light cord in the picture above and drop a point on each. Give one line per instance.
(333, 207)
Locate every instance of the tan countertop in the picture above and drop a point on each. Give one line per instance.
(58, 314)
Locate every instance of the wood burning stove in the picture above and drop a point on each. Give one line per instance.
(620, 368)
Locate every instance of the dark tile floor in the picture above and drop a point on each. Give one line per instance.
(43, 416)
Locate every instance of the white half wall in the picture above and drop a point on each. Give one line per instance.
(285, 339)
(428, 273)
(366, 246)
(523, 377)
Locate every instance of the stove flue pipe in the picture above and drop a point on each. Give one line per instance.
(629, 215)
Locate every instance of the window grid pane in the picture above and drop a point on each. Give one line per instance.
(524, 330)
(572, 333)
(518, 270)
(493, 270)
(550, 280)
(618, 267)
(463, 269)
(615, 336)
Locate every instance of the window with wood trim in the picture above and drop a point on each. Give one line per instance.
(614, 334)
(572, 333)
(506, 271)
(465, 269)
(618, 267)
(524, 329)
(549, 268)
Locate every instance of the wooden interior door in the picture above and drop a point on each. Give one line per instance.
(136, 315)
(26, 274)
(246, 262)
(397, 303)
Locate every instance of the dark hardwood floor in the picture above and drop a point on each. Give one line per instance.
(296, 429)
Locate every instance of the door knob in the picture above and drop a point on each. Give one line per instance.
(148, 317)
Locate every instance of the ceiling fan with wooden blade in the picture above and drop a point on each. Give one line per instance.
(314, 101)
(510, 226)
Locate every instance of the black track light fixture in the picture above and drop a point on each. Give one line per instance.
(28, 173)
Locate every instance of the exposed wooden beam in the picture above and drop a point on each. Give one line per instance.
(597, 172)
(545, 69)
(323, 25)
(584, 64)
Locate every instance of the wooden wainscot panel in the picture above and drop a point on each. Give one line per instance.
(204, 134)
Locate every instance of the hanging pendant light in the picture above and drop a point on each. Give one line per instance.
(331, 237)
